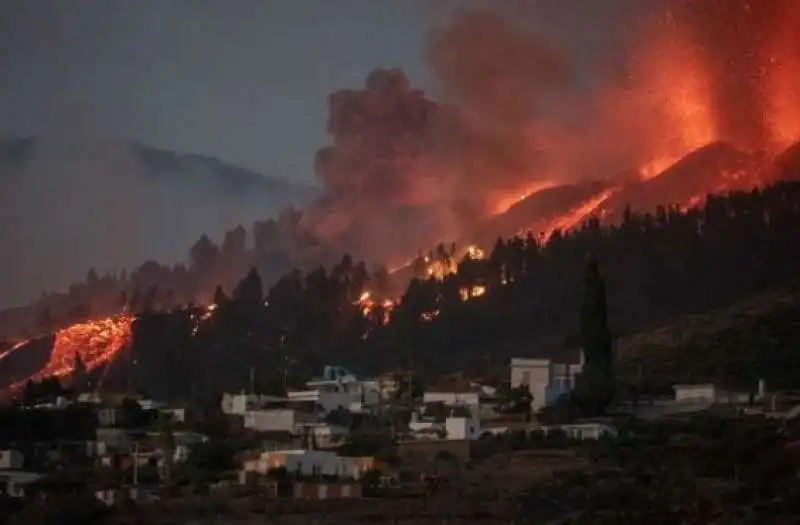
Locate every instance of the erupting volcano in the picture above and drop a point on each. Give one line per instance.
(706, 103)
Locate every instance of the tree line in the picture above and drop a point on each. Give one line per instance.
(656, 266)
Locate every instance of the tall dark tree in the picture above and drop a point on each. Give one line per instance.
(250, 290)
(596, 341)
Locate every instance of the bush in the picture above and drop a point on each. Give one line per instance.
(81, 508)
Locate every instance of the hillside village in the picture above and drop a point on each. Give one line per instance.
(383, 439)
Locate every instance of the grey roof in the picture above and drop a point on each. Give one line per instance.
(20, 476)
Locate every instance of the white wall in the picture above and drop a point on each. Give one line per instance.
(469, 399)
(270, 420)
(11, 459)
(462, 428)
(234, 403)
(588, 431)
(691, 393)
(536, 374)
(332, 395)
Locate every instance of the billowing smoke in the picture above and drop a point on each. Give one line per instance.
(401, 164)
(404, 171)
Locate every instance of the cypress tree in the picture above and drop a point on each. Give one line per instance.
(595, 335)
(598, 379)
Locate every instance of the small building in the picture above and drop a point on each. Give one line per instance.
(587, 431)
(353, 395)
(11, 459)
(238, 404)
(274, 420)
(713, 394)
(15, 483)
(546, 379)
(695, 393)
(309, 463)
(316, 491)
(460, 428)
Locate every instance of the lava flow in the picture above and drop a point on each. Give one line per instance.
(95, 342)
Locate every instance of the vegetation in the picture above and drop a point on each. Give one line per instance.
(759, 346)
(698, 470)
(305, 320)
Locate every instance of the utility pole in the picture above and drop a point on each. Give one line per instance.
(252, 380)
(409, 391)
(136, 464)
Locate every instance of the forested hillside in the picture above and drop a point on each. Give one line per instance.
(520, 299)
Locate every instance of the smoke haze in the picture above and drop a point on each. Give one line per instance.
(516, 108)
(513, 115)
(82, 200)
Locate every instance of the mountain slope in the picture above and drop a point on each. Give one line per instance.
(751, 339)
(85, 202)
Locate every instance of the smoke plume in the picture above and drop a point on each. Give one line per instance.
(510, 120)
(401, 164)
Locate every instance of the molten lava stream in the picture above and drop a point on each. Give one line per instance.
(17, 346)
(96, 342)
(576, 216)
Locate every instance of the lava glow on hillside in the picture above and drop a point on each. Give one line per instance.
(707, 100)
(95, 342)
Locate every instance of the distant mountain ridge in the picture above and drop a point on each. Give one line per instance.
(115, 203)
(165, 163)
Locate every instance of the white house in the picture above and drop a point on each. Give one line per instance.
(459, 428)
(15, 482)
(546, 379)
(695, 393)
(588, 430)
(275, 420)
(353, 395)
(309, 463)
(241, 403)
(11, 459)
(710, 393)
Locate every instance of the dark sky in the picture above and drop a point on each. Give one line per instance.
(243, 80)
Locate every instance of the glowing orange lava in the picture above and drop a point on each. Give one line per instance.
(673, 92)
(96, 342)
(507, 201)
(16, 346)
(782, 56)
(578, 215)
